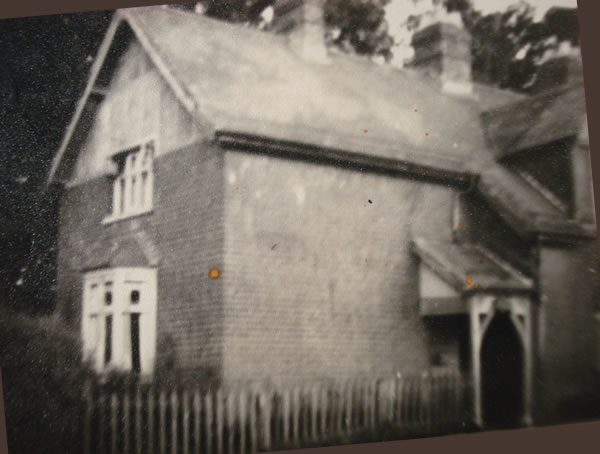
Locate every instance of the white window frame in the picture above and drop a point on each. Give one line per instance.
(94, 312)
(133, 186)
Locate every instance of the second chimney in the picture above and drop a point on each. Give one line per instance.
(302, 21)
(443, 51)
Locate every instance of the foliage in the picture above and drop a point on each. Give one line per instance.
(352, 25)
(506, 46)
(359, 26)
(499, 38)
(43, 379)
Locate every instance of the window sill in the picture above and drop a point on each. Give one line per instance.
(112, 219)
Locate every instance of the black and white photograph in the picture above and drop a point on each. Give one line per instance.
(241, 226)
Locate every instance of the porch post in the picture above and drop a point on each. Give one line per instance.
(479, 305)
(476, 361)
(521, 316)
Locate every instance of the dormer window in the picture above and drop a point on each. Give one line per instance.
(133, 184)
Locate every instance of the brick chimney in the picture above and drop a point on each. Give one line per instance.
(302, 21)
(443, 52)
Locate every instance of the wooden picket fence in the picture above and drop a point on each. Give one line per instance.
(240, 421)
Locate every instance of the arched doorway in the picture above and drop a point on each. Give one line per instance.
(502, 373)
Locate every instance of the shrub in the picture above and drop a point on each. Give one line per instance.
(43, 379)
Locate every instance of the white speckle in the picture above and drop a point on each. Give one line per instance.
(231, 178)
(300, 194)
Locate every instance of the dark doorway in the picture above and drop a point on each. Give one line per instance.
(502, 374)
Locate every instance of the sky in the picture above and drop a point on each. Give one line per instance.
(397, 11)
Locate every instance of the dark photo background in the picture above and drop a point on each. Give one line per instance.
(44, 63)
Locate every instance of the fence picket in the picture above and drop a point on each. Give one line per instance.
(102, 424)
(219, 421)
(208, 422)
(349, 396)
(230, 422)
(162, 423)
(324, 407)
(242, 415)
(186, 422)
(373, 385)
(339, 408)
(265, 407)
(114, 408)
(253, 427)
(305, 415)
(174, 415)
(87, 423)
(197, 410)
(126, 423)
(286, 416)
(398, 401)
(150, 409)
(296, 414)
(138, 421)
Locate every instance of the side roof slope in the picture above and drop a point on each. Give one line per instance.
(246, 81)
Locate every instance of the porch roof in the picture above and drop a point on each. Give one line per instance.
(470, 267)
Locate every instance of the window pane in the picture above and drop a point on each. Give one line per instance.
(122, 196)
(143, 189)
(135, 342)
(108, 340)
(133, 193)
(150, 148)
(108, 293)
(93, 297)
(135, 296)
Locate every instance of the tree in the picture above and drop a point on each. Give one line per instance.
(359, 26)
(508, 46)
(352, 25)
(44, 378)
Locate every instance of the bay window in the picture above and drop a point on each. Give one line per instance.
(118, 326)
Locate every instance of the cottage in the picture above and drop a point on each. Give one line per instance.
(253, 206)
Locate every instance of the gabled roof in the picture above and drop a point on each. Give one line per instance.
(250, 83)
(245, 80)
(134, 250)
(544, 118)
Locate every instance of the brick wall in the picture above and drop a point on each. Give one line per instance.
(186, 227)
(319, 279)
(566, 344)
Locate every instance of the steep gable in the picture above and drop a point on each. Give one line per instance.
(249, 86)
(130, 96)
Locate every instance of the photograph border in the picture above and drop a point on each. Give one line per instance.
(582, 437)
